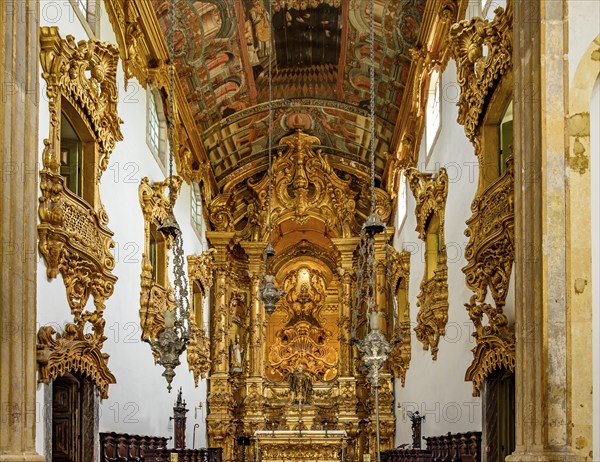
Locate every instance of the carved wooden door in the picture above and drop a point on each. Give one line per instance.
(66, 419)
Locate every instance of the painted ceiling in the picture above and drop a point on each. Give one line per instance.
(320, 75)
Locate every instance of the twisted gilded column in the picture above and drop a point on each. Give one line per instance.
(19, 21)
(542, 387)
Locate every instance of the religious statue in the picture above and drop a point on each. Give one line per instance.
(416, 420)
(301, 386)
(236, 355)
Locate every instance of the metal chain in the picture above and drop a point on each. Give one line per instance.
(180, 290)
(372, 100)
(171, 98)
(270, 124)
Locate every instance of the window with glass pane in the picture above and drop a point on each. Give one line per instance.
(506, 138)
(70, 156)
(153, 125)
(402, 209)
(197, 208)
(433, 110)
(432, 246)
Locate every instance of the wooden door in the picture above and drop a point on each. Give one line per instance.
(66, 419)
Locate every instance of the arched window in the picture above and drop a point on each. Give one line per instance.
(156, 127)
(433, 111)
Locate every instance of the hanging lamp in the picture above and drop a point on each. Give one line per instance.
(172, 341)
(269, 293)
(374, 348)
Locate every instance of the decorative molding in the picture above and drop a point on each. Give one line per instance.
(478, 74)
(154, 297)
(490, 253)
(200, 269)
(305, 186)
(399, 360)
(74, 239)
(145, 56)
(303, 340)
(430, 192)
(71, 351)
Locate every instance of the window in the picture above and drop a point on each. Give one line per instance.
(432, 246)
(157, 254)
(432, 111)
(156, 131)
(197, 209)
(198, 304)
(402, 209)
(506, 138)
(78, 158)
(70, 156)
(87, 10)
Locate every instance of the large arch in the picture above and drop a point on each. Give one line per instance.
(581, 243)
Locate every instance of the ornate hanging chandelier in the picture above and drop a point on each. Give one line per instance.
(374, 348)
(269, 293)
(172, 341)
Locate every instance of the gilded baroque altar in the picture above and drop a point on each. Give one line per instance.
(318, 210)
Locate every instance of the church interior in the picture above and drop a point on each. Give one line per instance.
(285, 231)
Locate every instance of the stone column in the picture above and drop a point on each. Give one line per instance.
(542, 319)
(19, 74)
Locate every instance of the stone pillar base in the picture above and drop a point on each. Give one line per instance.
(545, 456)
(24, 457)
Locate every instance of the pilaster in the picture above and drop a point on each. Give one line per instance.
(19, 21)
(542, 317)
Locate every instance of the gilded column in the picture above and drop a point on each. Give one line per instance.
(19, 22)
(255, 250)
(221, 428)
(542, 317)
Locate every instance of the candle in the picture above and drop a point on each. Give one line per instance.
(169, 319)
(374, 318)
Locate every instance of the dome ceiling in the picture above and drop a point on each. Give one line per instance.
(320, 75)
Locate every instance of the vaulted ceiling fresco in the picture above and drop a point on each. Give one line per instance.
(320, 75)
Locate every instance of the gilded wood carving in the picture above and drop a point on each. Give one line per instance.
(399, 263)
(490, 254)
(490, 251)
(155, 296)
(304, 186)
(478, 73)
(145, 57)
(430, 192)
(302, 340)
(73, 235)
(200, 270)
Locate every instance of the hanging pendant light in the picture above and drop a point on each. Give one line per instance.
(172, 341)
(374, 348)
(269, 293)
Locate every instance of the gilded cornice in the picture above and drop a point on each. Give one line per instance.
(305, 186)
(74, 239)
(145, 56)
(478, 74)
(64, 65)
(430, 53)
(490, 253)
(430, 192)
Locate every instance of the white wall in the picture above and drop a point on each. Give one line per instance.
(595, 170)
(437, 389)
(138, 403)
